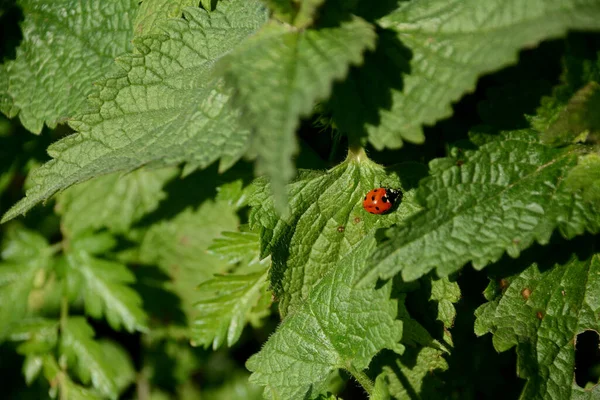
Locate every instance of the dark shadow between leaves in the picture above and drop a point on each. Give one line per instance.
(194, 189)
(161, 304)
(357, 101)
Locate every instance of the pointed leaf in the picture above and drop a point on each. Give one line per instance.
(87, 357)
(67, 45)
(226, 304)
(300, 13)
(445, 46)
(338, 326)
(542, 312)
(25, 255)
(105, 291)
(326, 221)
(278, 75)
(504, 196)
(166, 106)
(112, 201)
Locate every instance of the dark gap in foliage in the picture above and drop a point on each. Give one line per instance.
(587, 359)
(11, 17)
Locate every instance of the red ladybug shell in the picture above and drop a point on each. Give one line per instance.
(380, 200)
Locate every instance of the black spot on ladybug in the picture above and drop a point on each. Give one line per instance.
(384, 199)
(373, 198)
(377, 208)
(365, 197)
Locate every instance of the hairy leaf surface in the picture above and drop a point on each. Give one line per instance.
(445, 47)
(325, 222)
(279, 74)
(541, 312)
(338, 326)
(67, 45)
(505, 196)
(166, 106)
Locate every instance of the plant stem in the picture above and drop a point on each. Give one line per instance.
(363, 379)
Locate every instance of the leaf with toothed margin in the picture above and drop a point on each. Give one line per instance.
(278, 75)
(541, 311)
(226, 304)
(503, 197)
(67, 45)
(87, 357)
(112, 201)
(325, 222)
(338, 327)
(166, 106)
(444, 47)
(103, 286)
(300, 13)
(152, 14)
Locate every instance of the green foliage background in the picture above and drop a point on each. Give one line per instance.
(181, 185)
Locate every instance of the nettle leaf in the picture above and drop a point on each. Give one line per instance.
(153, 13)
(76, 42)
(112, 201)
(338, 326)
(40, 335)
(300, 13)
(325, 222)
(179, 247)
(86, 356)
(237, 247)
(279, 74)
(505, 196)
(542, 312)
(444, 47)
(26, 256)
(227, 303)
(166, 106)
(103, 285)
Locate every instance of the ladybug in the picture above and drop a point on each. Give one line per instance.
(381, 200)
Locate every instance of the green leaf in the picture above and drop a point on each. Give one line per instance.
(226, 304)
(86, 356)
(445, 293)
(234, 388)
(120, 362)
(541, 312)
(241, 247)
(67, 45)
(585, 178)
(300, 13)
(179, 247)
(579, 118)
(444, 47)
(279, 74)
(26, 257)
(40, 335)
(112, 201)
(505, 196)
(338, 326)
(103, 285)
(68, 389)
(152, 14)
(166, 106)
(325, 222)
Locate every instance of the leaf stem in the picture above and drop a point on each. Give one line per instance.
(363, 379)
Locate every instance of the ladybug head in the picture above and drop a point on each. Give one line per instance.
(394, 194)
